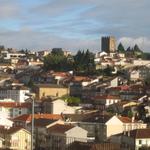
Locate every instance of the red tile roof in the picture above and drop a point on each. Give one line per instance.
(10, 130)
(28, 117)
(140, 133)
(42, 122)
(15, 105)
(59, 128)
(125, 119)
(107, 97)
(124, 87)
(115, 88)
(81, 78)
(62, 74)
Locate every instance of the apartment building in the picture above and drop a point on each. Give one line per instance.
(18, 94)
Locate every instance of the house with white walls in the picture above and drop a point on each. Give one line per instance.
(17, 93)
(119, 124)
(61, 135)
(14, 109)
(134, 139)
(59, 106)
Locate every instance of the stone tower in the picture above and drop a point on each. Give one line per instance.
(108, 44)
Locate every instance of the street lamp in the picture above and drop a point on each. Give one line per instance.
(31, 97)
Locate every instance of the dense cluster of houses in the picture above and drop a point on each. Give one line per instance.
(113, 112)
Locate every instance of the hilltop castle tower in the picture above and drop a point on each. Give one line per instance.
(108, 44)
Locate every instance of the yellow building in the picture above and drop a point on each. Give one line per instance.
(16, 138)
(44, 90)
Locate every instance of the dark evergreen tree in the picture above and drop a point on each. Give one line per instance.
(121, 48)
(136, 48)
(129, 49)
(57, 51)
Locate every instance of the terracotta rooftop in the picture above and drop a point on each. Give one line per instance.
(137, 133)
(10, 130)
(125, 119)
(107, 97)
(14, 88)
(81, 78)
(15, 105)
(115, 88)
(140, 133)
(124, 87)
(62, 74)
(42, 122)
(59, 128)
(28, 117)
(136, 87)
(49, 86)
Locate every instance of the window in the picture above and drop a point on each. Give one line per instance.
(140, 142)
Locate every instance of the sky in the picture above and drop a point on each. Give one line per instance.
(73, 24)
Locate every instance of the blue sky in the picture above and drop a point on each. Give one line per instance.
(73, 24)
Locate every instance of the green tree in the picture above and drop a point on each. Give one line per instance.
(129, 52)
(84, 62)
(57, 51)
(57, 62)
(71, 100)
(121, 48)
(129, 49)
(137, 51)
(136, 48)
(130, 114)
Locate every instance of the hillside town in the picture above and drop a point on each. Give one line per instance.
(56, 100)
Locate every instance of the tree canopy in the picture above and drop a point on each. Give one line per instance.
(57, 51)
(72, 100)
(81, 62)
(84, 62)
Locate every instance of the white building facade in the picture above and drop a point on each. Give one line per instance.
(18, 95)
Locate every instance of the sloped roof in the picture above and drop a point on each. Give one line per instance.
(10, 130)
(137, 133)
(107, 97)
(15, 105)
(49, 86)
(124, 119)
(94, 146)
(81, 78)
(28, 117)
(140, 133)
(60, 128)
(42, 122)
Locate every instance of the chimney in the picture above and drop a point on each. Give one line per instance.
(133, 119)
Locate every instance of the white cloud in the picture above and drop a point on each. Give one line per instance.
(73, 24)
(9, 9)
(27, 38)
(142, 42)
